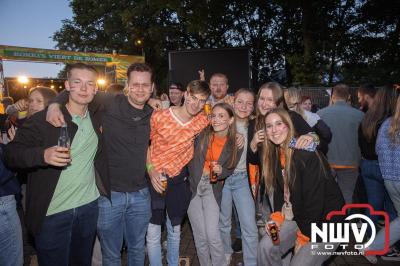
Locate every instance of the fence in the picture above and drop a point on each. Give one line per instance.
(320, 96)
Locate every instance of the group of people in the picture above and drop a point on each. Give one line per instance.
(135, 164)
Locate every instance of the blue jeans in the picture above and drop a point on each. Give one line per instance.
(10, 233)
(377, 195)
(153, 239)
(393, 189)
(238, 233)
(67, 238)
(237, 190)
(125, 217)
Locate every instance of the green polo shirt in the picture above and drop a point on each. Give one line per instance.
(76, 185)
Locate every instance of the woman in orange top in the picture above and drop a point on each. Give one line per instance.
(215, 158)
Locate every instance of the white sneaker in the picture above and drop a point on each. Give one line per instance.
(228, 258)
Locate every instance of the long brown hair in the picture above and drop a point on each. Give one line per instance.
(380, 109)
(270, 154)
(209, 132)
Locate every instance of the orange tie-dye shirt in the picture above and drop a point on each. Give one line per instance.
(172, 141)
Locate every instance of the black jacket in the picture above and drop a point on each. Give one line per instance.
(27, 151)
(301, 127)
(325, 135)
(314, 192)
(196, 166)
(175, 201)
(9, 184)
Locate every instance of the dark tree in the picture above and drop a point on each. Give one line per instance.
(313, 42)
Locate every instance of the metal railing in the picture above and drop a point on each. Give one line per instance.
(320, 96)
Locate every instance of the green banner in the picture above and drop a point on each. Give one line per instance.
(56, 56)
(119, 61)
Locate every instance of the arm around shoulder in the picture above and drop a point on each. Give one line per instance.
(26, 150)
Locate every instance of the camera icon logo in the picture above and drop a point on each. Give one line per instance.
(355, 224)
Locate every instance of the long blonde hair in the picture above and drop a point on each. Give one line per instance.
(394, 129)
(270, 154)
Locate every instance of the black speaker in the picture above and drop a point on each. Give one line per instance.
(233, 62)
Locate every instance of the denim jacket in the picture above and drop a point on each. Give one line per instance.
(388, 153)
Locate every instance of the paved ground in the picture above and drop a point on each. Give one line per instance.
(188, 251)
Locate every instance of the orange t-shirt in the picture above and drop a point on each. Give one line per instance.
(172, 141)
(214, 150)
(282, 158)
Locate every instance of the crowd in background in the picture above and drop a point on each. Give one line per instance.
(268, 162)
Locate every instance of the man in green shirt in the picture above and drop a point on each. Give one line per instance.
(65, 183)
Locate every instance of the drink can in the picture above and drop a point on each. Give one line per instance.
(273, 232)
(164, 184)
(163, 179)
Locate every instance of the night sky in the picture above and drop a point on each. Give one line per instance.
(30, 23)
